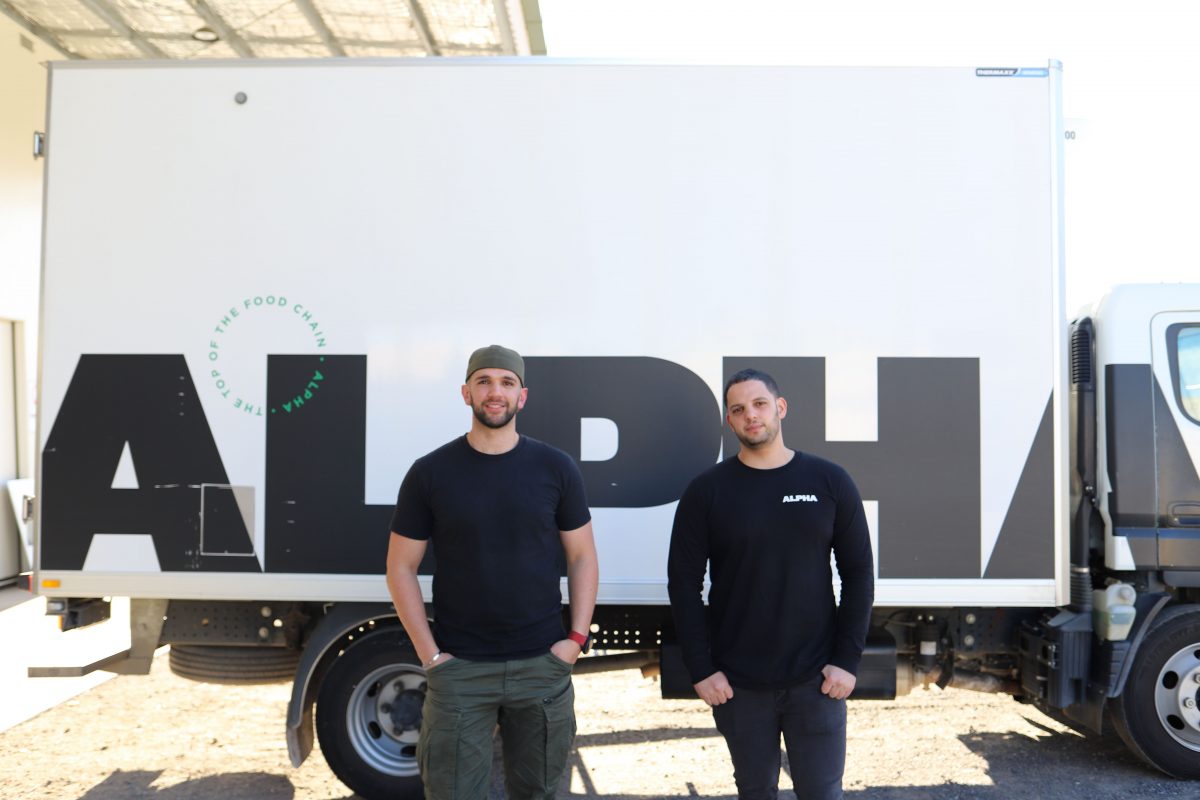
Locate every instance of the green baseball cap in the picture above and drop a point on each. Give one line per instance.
(496, 357)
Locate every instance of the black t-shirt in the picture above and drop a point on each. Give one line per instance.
(494, 521)
(767, 535)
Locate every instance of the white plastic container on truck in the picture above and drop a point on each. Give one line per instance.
(261, 281)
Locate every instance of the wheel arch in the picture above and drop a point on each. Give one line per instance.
(320, 650)
(1152, 608)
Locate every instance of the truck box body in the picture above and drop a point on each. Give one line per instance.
(262, 281)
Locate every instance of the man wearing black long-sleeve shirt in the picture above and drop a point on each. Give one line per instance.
(774, 655)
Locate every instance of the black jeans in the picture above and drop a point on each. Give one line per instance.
(813, 728)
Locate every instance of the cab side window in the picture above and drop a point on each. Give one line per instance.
(1187, 376)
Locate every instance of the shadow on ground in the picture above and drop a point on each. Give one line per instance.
(1062, 766)
(136, 785)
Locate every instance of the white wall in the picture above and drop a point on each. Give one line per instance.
(22, 111)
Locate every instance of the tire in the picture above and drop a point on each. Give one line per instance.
(1157, 715)
(368, 717)
(233, 664)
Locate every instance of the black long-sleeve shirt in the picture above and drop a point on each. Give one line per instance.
(767, 535)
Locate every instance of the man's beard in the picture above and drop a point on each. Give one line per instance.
(764, 438)
(494, 422)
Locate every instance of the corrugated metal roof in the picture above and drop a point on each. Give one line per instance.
(183, 29)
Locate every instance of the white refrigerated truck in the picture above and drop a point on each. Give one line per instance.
(261, 282)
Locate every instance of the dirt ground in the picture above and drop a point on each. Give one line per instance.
(167, 738)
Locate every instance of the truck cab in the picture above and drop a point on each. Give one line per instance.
(1126, 651)
(1147, 347)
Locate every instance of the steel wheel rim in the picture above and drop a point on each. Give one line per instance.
(1177, 696)
(370, 728)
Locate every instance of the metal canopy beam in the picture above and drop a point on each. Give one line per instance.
(422, 27)
(318, 23)
(532, 14)
(112, 18)
(215, 21)
(508, 46)
(347, 41)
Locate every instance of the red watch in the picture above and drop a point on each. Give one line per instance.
(584, 640)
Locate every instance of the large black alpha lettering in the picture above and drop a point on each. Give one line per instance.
(667, 419)
(923, 471)
(316, 454)
(150, 402)
(1024, 549)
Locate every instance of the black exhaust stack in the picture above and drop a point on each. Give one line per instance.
(1056, 651)
(1083, 461)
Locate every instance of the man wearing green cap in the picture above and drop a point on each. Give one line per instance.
(502, 510)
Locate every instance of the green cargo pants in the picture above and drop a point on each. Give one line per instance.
(532, 701)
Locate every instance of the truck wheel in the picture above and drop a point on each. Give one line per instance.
(1158, 715)
(368, 717)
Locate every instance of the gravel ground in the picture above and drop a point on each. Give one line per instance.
(167, 738)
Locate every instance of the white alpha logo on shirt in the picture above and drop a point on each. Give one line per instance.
(799, 498)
